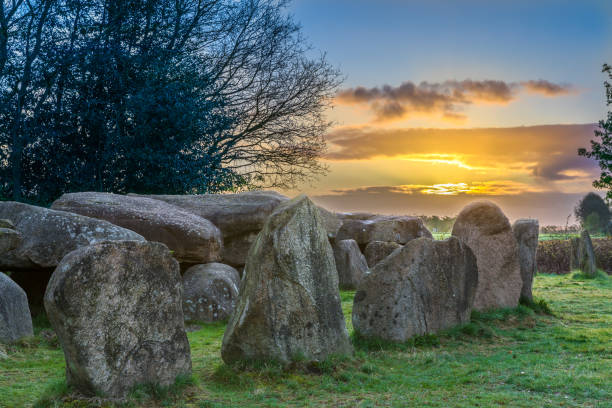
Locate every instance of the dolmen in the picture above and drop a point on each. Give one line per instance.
(483, 227)
(116, 308)
(289, 306)
(424, 287)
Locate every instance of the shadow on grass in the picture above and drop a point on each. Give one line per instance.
(483, 325)
(61, 395)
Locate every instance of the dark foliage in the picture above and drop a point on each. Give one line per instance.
(601, 147)
(156, 96)
(553, 256)
(593, 213)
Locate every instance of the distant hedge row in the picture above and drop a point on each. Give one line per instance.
(554, 255)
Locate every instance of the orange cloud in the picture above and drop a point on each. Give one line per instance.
(545, 152)
(446, 98)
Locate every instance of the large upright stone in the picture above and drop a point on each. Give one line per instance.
(289, 304)
(210, 292)
(526, 232)
(583, 255)
(116, 309)
(15, 319)
(240, 216)
(192, 238)
(350, 263)
(376, 251)
(425, 287)
(47, 235)
(486, 230)
(399, 229)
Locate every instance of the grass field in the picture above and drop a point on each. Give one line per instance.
(508, 358)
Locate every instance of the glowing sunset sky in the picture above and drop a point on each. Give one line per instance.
(446, 102)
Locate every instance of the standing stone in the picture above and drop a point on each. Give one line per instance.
(583, 255)
(486, 230)
(210, 292)
(15, 318)
(350, 263)
(289, 304)
(376, 251)
(425, 287)
(192, 239)
(526, 232)
(116, 309)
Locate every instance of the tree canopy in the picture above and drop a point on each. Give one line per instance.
(157, 96)
(593, 213)
(601, 147)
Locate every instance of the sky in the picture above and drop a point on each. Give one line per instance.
(447, 102)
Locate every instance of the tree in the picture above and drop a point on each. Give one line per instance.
(601, 150)
(152, 96)
(593, 213)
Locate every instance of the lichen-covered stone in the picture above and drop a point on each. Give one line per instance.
(9, 240)
(192, 238)
(210, 292)
(289, 304)
(583, 255)
(239, 216)
(47, 235)
(376, 251)
(8, 224)
(15, 318)
(350, 263)
(526, 232)
(486, 230)
(399, 229)
(117, 311)
(424, 287)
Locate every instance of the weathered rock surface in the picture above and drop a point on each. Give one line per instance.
(4, 223)
(192, 238)
(583, 255)
(289, 304)
(486, 230)
(240, 216)
(350, 263)
(210, 292)
(47, 235)
(424, 287)
(526, 232)
(15, 318)
(9, 238)
(399, 229)
(116, 309)
(376, 251)
(331, 222)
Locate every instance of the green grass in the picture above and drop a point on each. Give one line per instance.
(559, 356)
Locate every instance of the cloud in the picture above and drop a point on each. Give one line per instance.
(546, 152)
(551, 208)
(477, 189)
(446, 98)
(547, 88)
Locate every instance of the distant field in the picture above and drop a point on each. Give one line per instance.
(543, 237)
(508, 358)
